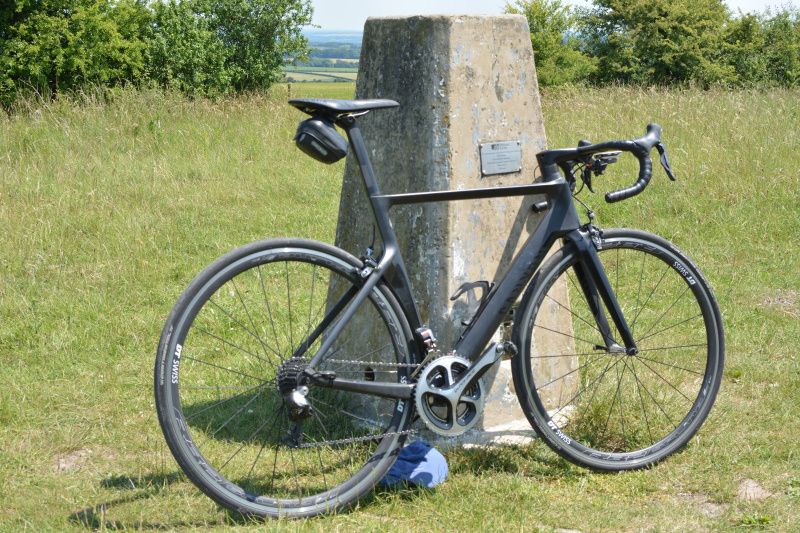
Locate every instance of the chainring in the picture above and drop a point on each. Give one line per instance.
(439, 414)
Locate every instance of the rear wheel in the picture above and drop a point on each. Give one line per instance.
(611, 411)
(231, 351)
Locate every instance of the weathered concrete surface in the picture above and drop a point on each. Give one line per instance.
(461, 81)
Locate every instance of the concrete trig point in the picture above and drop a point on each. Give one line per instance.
(463, 82)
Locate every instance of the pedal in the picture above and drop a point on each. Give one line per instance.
(473, 302)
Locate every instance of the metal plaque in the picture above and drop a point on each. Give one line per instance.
(501, 158)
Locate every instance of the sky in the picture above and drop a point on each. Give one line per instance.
(351, 14)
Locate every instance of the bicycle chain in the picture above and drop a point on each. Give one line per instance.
(366, 438)
(373, 363)
(354, 440)
(434, 354)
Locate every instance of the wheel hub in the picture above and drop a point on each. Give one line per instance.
(290, 381)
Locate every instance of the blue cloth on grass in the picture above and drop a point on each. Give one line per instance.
(417, 464)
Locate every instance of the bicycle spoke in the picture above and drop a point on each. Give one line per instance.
(222, 402)
(223, 368)
(621, 415)
(311, 300)
(667, 311)
(237, 413)
(667, 348)
(348, 413)
(275, 459)
(573, 313)
(567, 374)
(335, 450)
(660, 408)
(611, 409)
(296, 474)
(238, 451)
(564, 334)
(585, 388)
(650, 295)
(289, 303)
(669, 328)
(567, 355)
(232, 345)
(665, 381)
(641, 402)
(322, 469)
(269, 308)
(247, 312)
(639, 290)
(245, 328)
(671, 366)
(261, 450)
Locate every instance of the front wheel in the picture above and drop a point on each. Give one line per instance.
(235, 348)
(612, 411)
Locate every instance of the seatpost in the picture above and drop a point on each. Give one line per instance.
(362, 157)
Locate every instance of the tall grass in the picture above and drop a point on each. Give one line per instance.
(110, 206)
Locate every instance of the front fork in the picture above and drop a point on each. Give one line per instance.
(598, 291)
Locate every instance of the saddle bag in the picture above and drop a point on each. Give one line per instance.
(318, 138)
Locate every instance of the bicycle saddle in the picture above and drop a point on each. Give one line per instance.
(317, 106)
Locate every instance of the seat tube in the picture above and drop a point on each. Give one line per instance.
(398, 275)
(594, 282)
(380, 210)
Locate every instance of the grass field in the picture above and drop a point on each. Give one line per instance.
(322, 74)
(109, 209)
(334, 75)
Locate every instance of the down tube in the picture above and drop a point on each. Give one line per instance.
(560, 219)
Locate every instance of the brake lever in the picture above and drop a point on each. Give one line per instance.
(597, 165)
(586, 177)
(665, 161)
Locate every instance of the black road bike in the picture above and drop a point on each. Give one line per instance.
(290, 372)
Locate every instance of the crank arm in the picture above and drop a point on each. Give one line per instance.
(492, 355)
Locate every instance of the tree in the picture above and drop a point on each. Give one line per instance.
(744, 50)
(658, 41)
(556, 49)
(259, 37)
(185, 52)
(202, 47)
(782, 48)
(56, 45)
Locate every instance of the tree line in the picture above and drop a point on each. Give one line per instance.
(662, 42)
(200, 47)
(213, 47)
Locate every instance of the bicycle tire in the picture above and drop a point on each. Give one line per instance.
(568, 392)
(220, 361)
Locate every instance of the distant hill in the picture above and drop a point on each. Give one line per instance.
(317, 36)
(327, 44)
(334, 57)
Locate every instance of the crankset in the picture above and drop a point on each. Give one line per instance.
(450, 393)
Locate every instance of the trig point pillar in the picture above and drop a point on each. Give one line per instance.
(470, 117)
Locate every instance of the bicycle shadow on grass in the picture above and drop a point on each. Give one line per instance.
(533, 460)
(96, 517)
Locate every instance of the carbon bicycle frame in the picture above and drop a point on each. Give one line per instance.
(561, 221)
